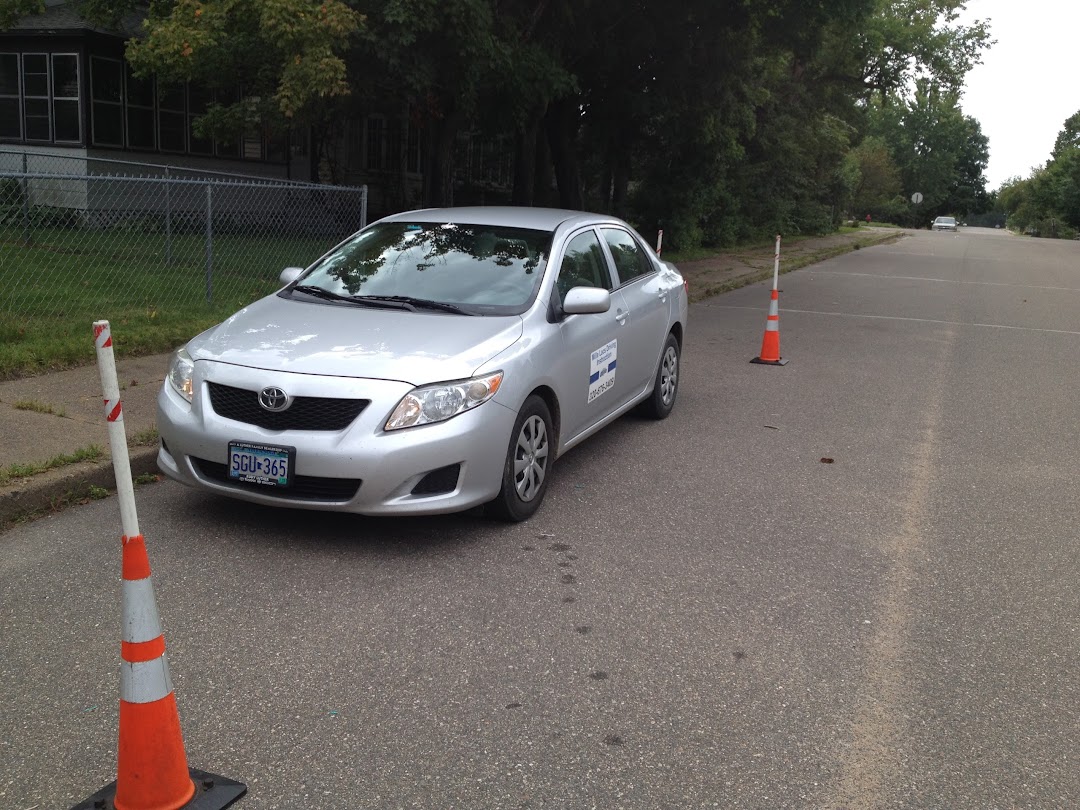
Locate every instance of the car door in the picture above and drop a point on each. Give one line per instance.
(646, 296)
(588, 363)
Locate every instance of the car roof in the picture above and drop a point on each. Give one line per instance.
(541, 219)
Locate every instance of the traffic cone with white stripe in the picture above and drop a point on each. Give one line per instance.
(152, 766)
(152, 769)
(770, 343)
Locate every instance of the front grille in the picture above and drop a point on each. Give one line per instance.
(305, 413)
(304, 487)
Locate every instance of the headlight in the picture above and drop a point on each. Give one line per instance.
(181, 369)
(439, 402)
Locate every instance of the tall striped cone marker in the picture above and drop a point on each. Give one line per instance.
(152, 769)
(770, 344)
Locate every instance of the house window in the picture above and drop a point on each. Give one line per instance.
(172, 119)
(39, 97)
(35, 75)
(10, 120)
(140, 112)
(67, 126)
(107, 101)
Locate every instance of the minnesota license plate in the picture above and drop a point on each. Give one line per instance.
(261, 464)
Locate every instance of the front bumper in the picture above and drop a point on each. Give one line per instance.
(361, 468)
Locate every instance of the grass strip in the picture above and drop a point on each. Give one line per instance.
(91, 453)
(789, 263)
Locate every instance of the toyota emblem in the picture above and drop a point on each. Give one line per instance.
(274, 399)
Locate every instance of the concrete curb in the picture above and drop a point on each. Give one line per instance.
(50, 490)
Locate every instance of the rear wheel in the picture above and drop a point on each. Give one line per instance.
(666, 385)
(528, 462)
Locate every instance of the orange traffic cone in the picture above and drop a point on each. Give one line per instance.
(152, 768)
(770, 344)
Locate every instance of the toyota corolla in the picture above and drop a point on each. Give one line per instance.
(432, 362)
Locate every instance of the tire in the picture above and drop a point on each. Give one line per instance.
(528, 464)
(666, 385)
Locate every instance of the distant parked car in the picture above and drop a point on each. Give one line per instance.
(945, 224)
(434, 361)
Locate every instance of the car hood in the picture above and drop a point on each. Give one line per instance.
(345, 341)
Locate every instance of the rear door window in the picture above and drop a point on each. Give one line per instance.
(630, 260)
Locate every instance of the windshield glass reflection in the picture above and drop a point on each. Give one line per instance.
(481, 268)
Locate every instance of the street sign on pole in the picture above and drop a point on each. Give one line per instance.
(916, 198)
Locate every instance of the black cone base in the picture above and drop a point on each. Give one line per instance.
(212, 792)
(780, 362)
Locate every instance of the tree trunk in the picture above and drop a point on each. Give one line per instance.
(562, 129)
(605, 191)
(621, 185)
(524, 192)
(439, 170)
(542, 174)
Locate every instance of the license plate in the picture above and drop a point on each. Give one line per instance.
(261, 464)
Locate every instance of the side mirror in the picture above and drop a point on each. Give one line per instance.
(586, 301)
(290, 274)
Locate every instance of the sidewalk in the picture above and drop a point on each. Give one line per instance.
(62, 413)
(73, 420)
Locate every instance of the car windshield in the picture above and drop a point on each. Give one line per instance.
(946, 220)
(478, 269)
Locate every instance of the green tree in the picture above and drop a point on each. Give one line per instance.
(941, 153)
(877, 182)
(905, 40)
(1069, 137)
(13, 10)
(289, 50)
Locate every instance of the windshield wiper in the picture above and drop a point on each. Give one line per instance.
(358, 300)
(319, 292)
(386, 301)
(421, 303)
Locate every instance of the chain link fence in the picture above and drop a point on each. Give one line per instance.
(85, 237)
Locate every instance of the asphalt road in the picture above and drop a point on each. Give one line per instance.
(703, 614)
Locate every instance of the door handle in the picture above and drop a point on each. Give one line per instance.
(620, 316)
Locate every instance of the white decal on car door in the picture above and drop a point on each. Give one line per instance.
(602, 369)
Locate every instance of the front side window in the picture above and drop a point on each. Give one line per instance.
(482, 269)
(630, 260)
(583, 264)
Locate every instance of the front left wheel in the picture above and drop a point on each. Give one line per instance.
(528, 462)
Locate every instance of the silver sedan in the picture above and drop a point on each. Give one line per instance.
(432, 362)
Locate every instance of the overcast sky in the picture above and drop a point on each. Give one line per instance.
(1029, 82)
